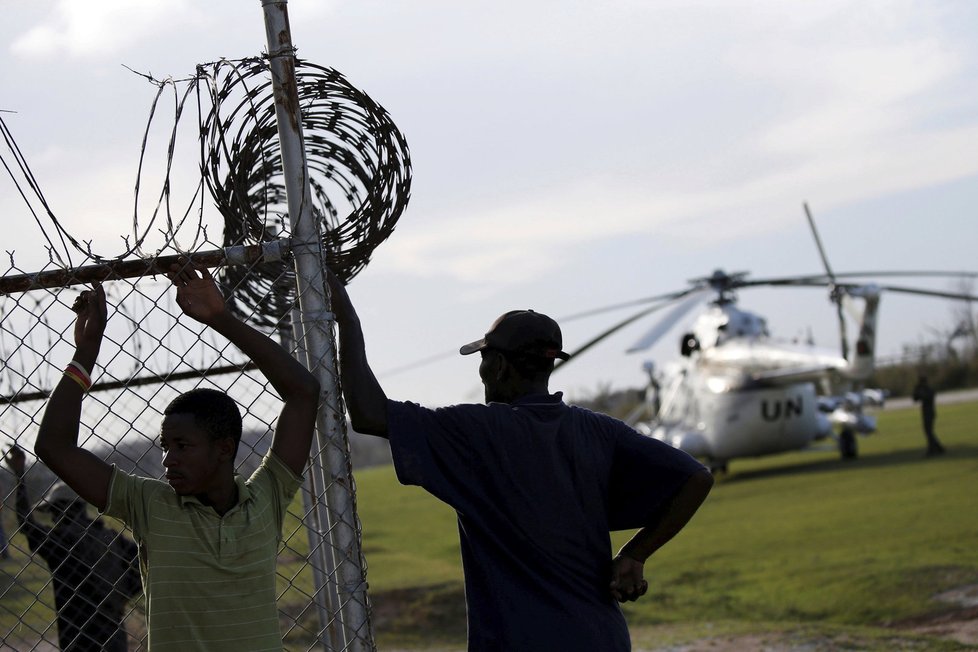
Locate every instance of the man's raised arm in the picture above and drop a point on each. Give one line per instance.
(200, 299)
(57, 438)
(365, 398)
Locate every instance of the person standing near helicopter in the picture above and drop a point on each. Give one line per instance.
(536, 485)
(924, 394)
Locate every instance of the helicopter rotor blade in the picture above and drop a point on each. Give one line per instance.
(665, 324)
(958, 296)
(597, 339)
(909, 273)
(900, 289)
(816, 280)
(820, 280)
(828, 269)
(664, 298)
(669, 296)
(823, 280)
(818, 241)
(424, 362)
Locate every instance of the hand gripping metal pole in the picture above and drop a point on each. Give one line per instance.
(317, 333)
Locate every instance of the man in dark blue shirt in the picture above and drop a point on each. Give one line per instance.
(537, 486)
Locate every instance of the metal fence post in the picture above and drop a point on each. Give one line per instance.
(317, 331)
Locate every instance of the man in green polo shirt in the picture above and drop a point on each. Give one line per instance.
(208, 539)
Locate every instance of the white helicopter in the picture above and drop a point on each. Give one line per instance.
(736, 391)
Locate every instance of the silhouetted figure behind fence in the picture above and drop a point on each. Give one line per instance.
(94, 569)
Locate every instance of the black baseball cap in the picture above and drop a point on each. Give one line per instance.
(521, 331)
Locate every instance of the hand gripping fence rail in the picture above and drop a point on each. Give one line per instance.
(305, 171)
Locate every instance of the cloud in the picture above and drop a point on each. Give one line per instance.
(513, 240)
(519, 236)
(850, 104)
(92, 30)
(853, 96)
(644, 118)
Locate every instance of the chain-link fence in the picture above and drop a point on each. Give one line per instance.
(304, 170)
(150, 354)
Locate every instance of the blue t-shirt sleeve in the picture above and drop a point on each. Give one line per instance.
(645, 475)
(432, 449)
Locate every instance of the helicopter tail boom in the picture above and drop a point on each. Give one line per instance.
(864, 356)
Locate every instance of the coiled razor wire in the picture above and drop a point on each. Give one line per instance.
(358, 165)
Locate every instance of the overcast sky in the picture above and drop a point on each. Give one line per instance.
(566, 155)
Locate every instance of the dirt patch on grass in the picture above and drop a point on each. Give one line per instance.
(923, 638)
(433, 619)
(959, 623)
(420, 615)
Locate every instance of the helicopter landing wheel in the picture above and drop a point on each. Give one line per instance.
(848, 448)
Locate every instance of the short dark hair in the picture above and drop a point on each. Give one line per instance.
(212, 410)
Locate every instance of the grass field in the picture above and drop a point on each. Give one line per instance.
(801, 551)
(802, 548)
